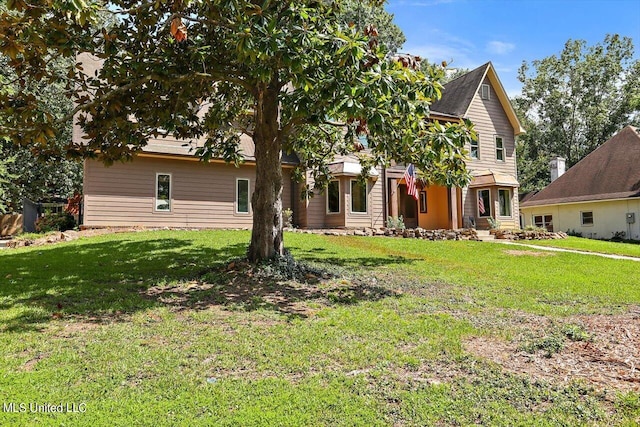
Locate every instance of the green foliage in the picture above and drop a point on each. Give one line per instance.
(575, 332)
(59, 221)
(549, 344)
(287, 217)
(397, 223)
(289, 74)
(573, 102)
(493, 223)
(131, 326)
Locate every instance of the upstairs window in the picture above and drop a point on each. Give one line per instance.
(242, 196)
(163, 192)
(499, 149)
(475, 148)
(358, 197)
(485, 91)
(333, 197)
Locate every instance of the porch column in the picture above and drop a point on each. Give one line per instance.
(393, 198)
(453, 204)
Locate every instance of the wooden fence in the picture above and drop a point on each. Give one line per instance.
(10, 224)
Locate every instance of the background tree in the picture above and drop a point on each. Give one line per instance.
(38, 174)
(361, 13)
(288, 74)
(573, 102)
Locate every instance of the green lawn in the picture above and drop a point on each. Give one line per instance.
(592, 245)
(157, 328)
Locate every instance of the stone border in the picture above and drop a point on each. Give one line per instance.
(527, 235)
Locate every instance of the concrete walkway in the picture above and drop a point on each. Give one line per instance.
(573, 251)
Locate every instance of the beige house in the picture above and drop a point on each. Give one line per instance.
(166, 185)
(598, 197)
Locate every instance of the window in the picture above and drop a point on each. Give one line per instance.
(333, 197)
(484, 203)
(587, 218)
(423, 202)
(475, 148)
(242, 196)
(163, 192)
(543, 221)
(485, 90)
(504, 201)
(499, 148)
(358, 197)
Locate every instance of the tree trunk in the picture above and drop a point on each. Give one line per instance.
(266, 237)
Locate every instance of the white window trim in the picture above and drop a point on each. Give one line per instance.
(366, 198)
(237, 211)
(155, 195)
(339, 198)
(510, 202)
(486, 87)
(593, 219)
(544, 224)
(503, 149)
(485, 208)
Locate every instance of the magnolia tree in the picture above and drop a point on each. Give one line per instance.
(286, 73)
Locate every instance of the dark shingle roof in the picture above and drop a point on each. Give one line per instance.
(458, 94)
(612, 171)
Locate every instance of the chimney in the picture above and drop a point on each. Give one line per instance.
(557, 168)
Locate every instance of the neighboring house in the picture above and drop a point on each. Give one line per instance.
(598, 196)
(166, 185)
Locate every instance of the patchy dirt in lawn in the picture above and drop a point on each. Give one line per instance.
(241, 286)
(602, 350)
(528, 253)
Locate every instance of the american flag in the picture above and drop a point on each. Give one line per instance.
(410, 179)
(481, 205)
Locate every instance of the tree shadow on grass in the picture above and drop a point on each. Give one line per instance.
(108, 281)
(327, 257)
(96, 281)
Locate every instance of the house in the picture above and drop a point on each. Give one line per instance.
(166, 185)
(599, 196)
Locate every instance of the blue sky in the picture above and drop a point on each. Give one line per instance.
(507, 32)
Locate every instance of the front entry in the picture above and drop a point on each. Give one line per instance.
(408, 208)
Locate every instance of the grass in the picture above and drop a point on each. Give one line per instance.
(592, 245)
(152, 328)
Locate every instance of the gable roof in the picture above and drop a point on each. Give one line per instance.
(611, 171)
(459, 93)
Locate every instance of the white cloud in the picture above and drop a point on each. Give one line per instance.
(499, 48)
(438, 46)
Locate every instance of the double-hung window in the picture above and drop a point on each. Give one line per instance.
(333, 197)
(499, 148)
(484, 203)
(358, 197)
(504, 201)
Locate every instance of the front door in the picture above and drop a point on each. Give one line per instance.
(408, 208)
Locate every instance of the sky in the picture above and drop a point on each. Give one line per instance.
(469, 33)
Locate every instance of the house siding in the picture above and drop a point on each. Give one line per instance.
(202, 195)
(490, 119)
(608, 217)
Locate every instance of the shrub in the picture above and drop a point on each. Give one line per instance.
(61, 221)
(393, 222)
(287, 218)
(493, 223)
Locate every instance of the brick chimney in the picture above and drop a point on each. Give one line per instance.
(556, 166)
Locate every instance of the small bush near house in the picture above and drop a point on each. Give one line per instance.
(574, 233)
(393, 222)
(287, 218)
(493, 223)
(61, 221)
